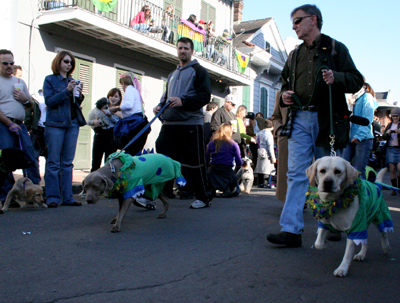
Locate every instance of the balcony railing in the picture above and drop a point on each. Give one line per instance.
(158, 26)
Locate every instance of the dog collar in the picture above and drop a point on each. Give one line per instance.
(326, 210)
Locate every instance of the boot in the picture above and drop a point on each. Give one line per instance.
(394, 183)
(260, 180)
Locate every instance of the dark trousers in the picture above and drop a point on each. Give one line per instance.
(186, 143)
(103, 143)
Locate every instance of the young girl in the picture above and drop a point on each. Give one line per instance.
(266, 154)
(222, 152)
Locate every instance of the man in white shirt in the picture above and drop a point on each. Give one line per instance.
(14, 97)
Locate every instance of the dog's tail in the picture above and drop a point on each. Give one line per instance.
(190, 166)
(380, 175)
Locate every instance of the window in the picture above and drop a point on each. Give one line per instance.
(119, 73)
(208, 12)
(267, 47)
(264, 102)
(177, 4)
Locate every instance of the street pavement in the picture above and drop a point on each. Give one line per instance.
(215, 254)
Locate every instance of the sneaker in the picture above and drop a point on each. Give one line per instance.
(145, 203)
(285, 238)
(199, 204)
(227, 193)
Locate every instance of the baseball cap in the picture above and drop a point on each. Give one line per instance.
(229, 98)
(395, 111)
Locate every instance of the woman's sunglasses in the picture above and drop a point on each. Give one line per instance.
(67, 61)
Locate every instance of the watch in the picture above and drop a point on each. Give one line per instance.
(26, 102)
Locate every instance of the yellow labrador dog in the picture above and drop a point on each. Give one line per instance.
(24, 190)
(343, 202)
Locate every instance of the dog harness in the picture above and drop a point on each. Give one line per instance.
(372, 209)
(145, 174)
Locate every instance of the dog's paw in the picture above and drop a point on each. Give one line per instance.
(359, 257)
(1, 212)
(340, 272)
(115, 229)
(162, 216)
(113, 221)
(322, 245)
(44, 205)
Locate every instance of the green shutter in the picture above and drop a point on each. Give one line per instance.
(264, 102)
(246, 97)
(83, 71)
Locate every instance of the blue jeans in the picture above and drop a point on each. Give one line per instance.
(8, 139)
(210, 51)
(358, 154)
(142, 27)
(302, 149)
(61, 145)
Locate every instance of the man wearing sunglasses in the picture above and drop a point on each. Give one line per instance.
(316, 64)
(14, 98)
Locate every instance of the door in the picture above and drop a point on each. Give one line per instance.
(83, 72)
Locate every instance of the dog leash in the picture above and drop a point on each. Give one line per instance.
(20, 146)
(138, 135)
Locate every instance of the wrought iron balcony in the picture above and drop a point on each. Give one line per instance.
(165, 27)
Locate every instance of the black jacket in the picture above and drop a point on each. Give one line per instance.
(348, 79)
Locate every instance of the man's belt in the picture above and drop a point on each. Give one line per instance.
(15, 120)
(310, 108)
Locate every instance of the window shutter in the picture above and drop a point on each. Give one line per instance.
(246, 97)
(204, 11)
(264, 102)
(119, 73)
(211, 14)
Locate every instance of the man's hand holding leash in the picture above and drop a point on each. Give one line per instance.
(327, 75)
(287, 97)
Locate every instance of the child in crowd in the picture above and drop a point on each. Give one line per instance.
(266, 154)
(221, 153)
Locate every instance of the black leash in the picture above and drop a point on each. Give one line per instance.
(138, 134)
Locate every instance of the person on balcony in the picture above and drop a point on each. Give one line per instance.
(220, 46)
(142, 19)
(192, 19)
(166, 24)
(210, 40)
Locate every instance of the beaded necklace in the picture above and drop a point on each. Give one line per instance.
(326, 210)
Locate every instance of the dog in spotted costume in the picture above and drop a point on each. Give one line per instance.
(127, 178)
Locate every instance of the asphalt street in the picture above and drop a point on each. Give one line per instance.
(216, 254)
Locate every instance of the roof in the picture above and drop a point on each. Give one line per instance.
(381, 96)
(250, 27)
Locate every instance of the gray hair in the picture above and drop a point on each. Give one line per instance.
(311, 10)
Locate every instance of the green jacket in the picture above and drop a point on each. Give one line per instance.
(32, 116)
(348, 79)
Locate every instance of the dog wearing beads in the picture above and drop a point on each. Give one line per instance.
(343, 202)
(126, 178)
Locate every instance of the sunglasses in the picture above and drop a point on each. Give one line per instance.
(297, 20)
(67, 61)
(394, 116)
(7, 63)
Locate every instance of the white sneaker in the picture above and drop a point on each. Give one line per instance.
(145, 203)
(198, 204)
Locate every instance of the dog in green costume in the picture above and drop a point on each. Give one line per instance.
(126, 178)
(345, 203)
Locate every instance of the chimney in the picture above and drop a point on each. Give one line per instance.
(237, 12)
